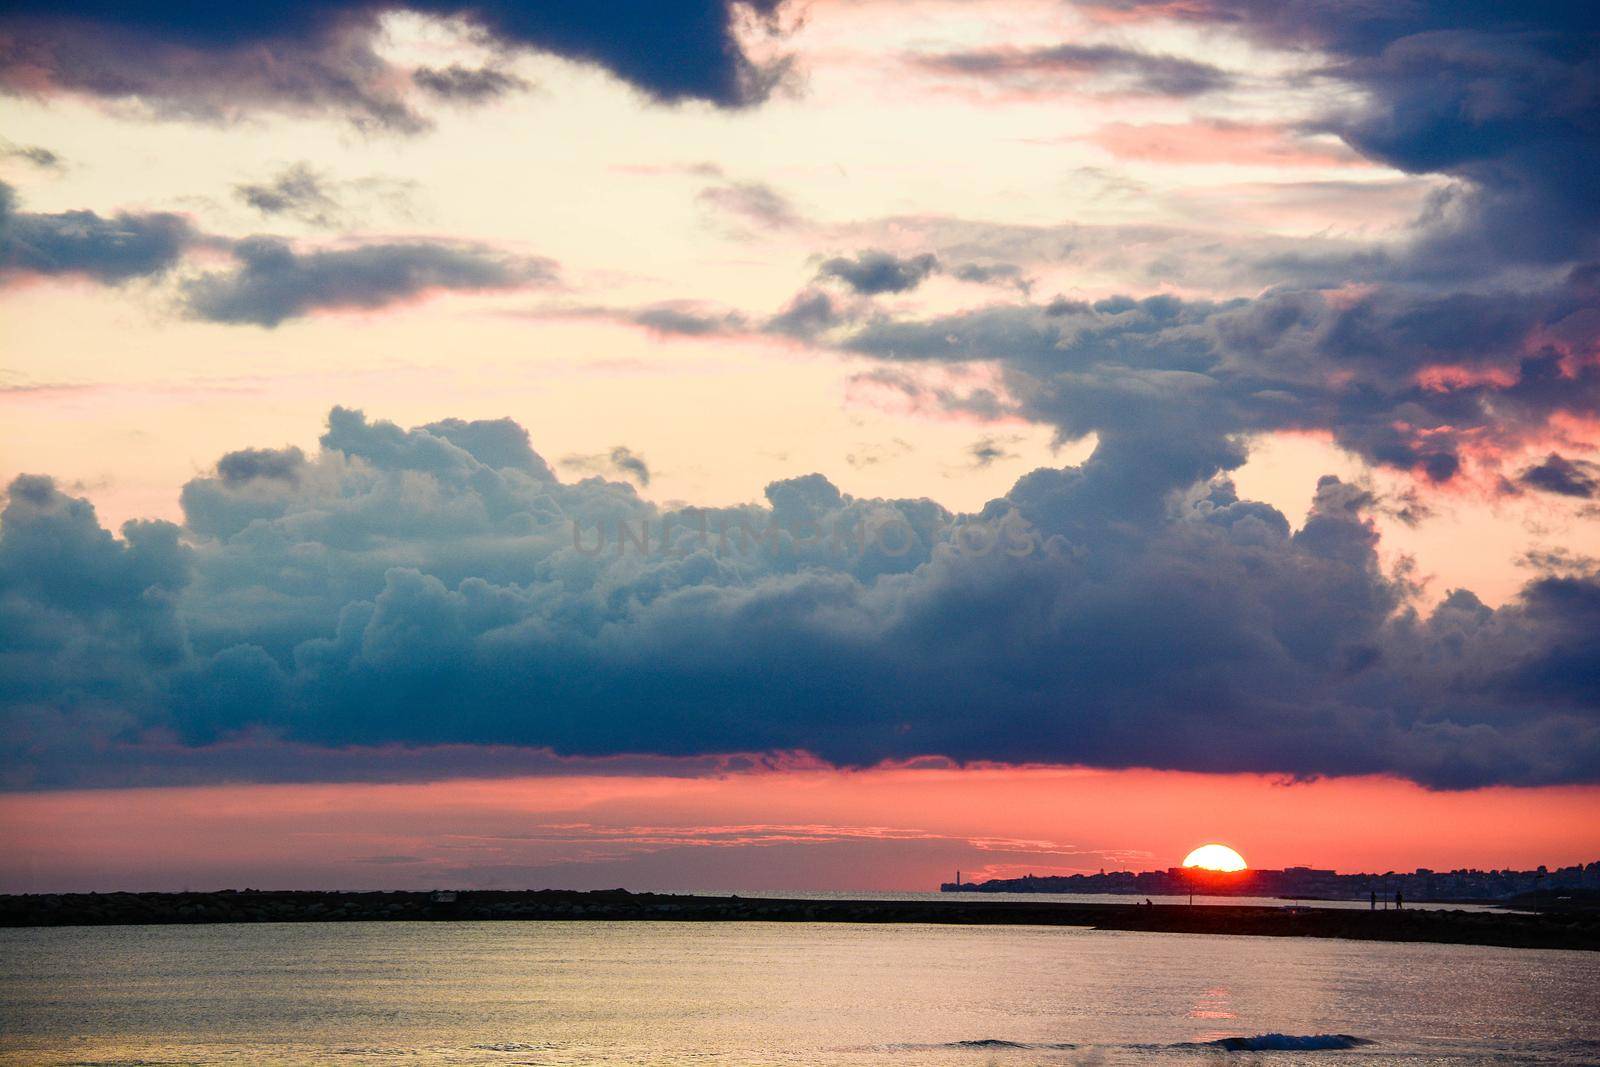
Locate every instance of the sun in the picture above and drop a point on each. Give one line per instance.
(1215, 858)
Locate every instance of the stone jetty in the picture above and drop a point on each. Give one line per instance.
(1553, 930)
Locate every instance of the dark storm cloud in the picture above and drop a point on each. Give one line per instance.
(159, 761)
(436, 587)
(874, 271)
(1501, 96)
(223, 60)
(233, 61)
(273, 282)
(110, 249)
(1407, 379)
(439, 587)
(1143, 71)
(1418, 354)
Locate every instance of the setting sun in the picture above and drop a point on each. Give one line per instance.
(1215, 858)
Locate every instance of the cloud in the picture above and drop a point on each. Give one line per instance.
(1561, 562)
(1500, 97)
(110, 250)
(1045, 68)
(874, 271)
(311, 58)
(1007, 274)
(1566, 477)
(987, 451)
(252, 463)
(299, 191)
(667, 319)
(1490, 102)
(1438, 353)
(1144, 256)
(33, 154)
(810, 313)
(870, 454)
(620, 460)
(1407, 379)
(273, 282)
(469, 85)
(303, 193)
(221, 69)
(436, 587)
(687, 320)
(753, 202)
(497, 443)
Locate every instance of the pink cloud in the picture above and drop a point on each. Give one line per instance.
(1222, 141)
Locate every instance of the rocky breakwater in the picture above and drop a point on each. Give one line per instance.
(1559, 930)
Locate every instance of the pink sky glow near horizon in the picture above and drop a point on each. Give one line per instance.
(806, 829)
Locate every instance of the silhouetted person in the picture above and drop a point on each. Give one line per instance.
(1374, 900)
(1399, 900)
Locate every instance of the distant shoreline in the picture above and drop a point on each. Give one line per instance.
(1553, 930)
(1212, 896)
(1459, 886)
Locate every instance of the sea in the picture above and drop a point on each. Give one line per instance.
(754, 993)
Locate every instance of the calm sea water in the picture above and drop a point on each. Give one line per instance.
(773, 993)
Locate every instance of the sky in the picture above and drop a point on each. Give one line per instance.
(762, 445)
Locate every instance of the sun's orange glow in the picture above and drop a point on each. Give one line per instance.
(799, 827)
(1215, 858)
